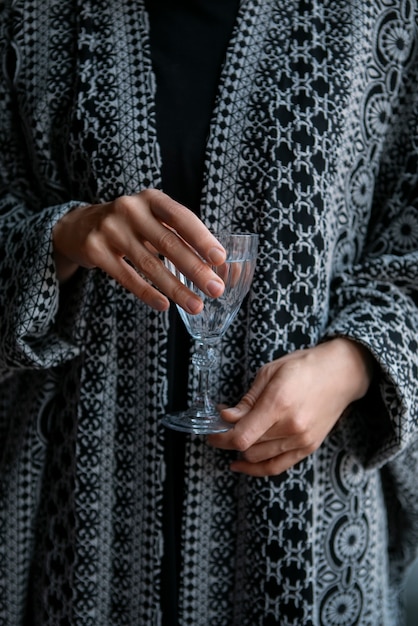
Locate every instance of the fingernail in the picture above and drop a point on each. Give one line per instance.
(215, 288)
(216, 255)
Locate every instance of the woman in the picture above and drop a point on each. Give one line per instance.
(296, 120)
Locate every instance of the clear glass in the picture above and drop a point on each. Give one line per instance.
(209, 326)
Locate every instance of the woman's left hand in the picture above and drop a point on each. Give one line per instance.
(293, 404)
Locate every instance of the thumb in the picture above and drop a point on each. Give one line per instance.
(233, 414)
(248, 401)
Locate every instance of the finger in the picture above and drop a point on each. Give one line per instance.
(231, 415)
(129, 278)
(151, 266)
(253, 417)
(116, 240)
(270, 467)
(231, 273)
(153, 269)
(185, 263)
(266, 450)
(183, 258)
(131, 227)
(187, 225)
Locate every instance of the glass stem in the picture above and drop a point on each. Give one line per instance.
(204, 359)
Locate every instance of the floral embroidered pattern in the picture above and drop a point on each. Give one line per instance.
(321, 159)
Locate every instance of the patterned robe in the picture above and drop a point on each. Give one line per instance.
(314, 143)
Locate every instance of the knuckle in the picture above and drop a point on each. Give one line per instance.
(146, 193)
(286, 403)
(299, 427)
(149, 265)
(93, 248)
(151, 194)
(241, 442)
(177, 293)
(168, 242)
(108, 227)
(199, 271)
(123, 204)
(199, 268)
(248, 401)
(157, 200)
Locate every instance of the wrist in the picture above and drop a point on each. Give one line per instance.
(353, 364)
(65, 268)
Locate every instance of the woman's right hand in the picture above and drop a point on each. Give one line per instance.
(139, 229)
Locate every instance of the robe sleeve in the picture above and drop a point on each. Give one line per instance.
(375, 302)
(35, 331)
(37, 317)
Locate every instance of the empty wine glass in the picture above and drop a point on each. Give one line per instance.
(210, 325)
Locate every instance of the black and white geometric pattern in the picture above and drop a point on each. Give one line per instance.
(313, 143)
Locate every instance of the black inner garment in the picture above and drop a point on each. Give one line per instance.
(188, 45)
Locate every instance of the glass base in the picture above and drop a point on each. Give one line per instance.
(190, 421)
